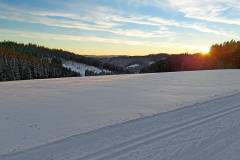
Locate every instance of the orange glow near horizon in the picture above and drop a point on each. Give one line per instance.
(205, 51)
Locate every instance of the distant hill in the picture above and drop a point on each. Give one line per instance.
(133, 64)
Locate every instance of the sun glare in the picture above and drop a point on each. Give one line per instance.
(205, 51)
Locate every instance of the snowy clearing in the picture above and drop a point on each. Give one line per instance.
(133, 66)
(51, 119)
(81, 68)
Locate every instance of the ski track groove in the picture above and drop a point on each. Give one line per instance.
(128, 146)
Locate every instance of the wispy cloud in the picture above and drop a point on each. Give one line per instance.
(99, 20)
(134, 22)
(49, 36)
(205, 10)
(105, 20)
(213, 11)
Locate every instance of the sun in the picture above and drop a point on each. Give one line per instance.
(204, 50)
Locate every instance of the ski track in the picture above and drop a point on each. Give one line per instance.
(121, 149)
(224, 110)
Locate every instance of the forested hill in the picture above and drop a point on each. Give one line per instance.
(29, 61)
(221, 56)
(21, 66)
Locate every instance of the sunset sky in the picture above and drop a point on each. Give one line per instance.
(111, 27)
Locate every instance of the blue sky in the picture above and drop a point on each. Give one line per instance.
(134, 27)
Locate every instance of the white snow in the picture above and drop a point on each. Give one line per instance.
(81, 67)
(151, 62)
(133, 66)
(40, 112)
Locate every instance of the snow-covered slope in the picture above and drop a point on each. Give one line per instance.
(81, 68)
(133, 66)
(54, 114)
(208, 130)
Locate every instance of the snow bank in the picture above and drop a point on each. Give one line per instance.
(37, 112)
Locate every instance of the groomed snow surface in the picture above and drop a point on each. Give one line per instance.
(184, 115)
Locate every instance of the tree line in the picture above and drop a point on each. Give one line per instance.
(29, 61)
(221, 56)
(44, 52)
(20, 66)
